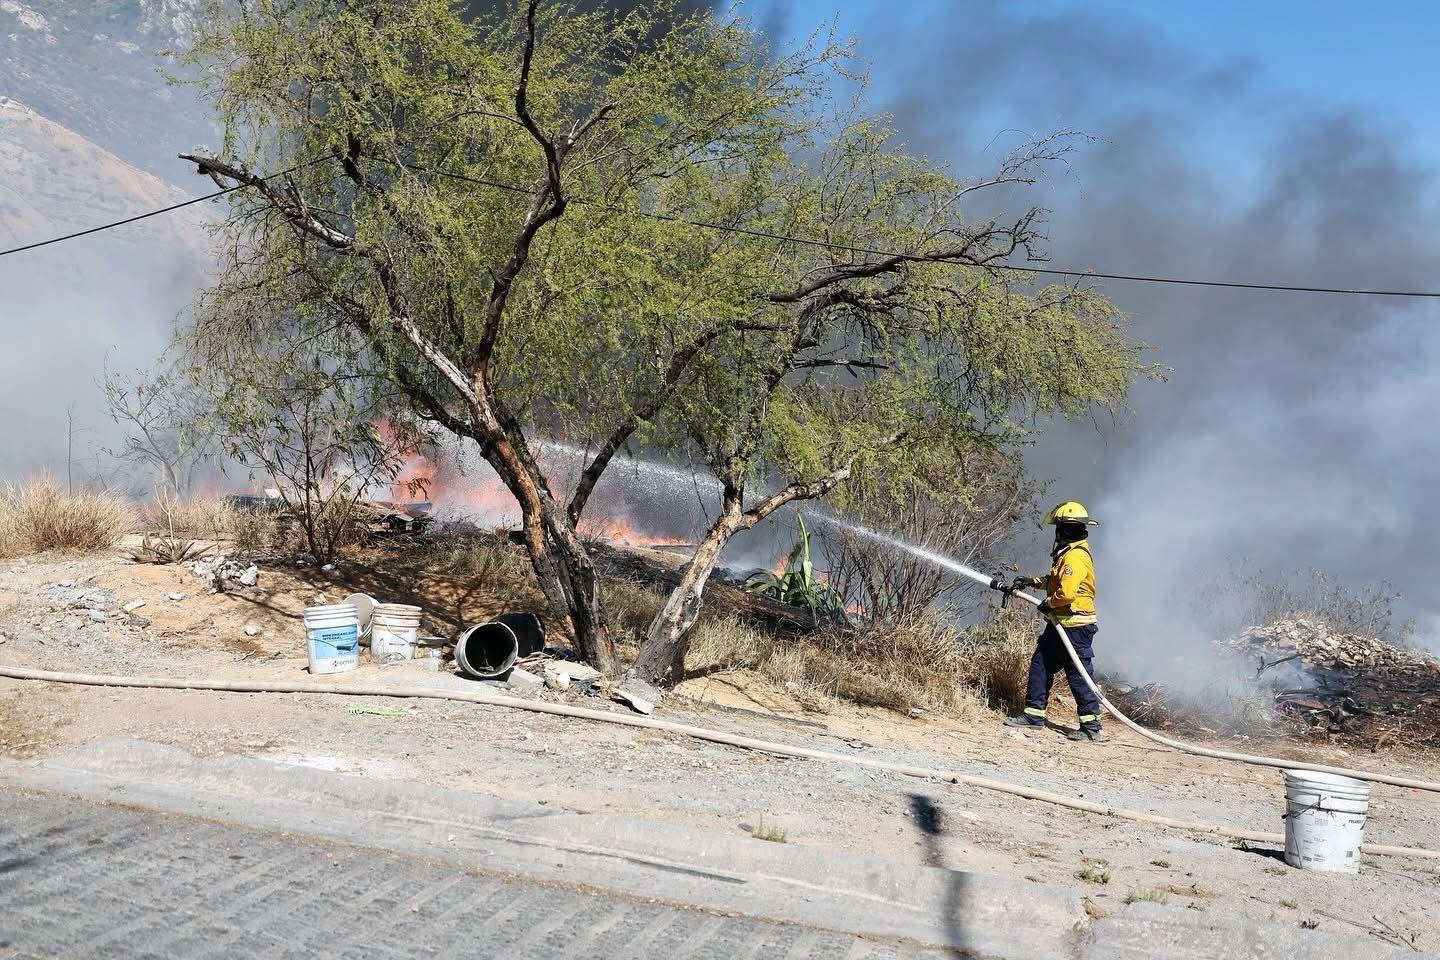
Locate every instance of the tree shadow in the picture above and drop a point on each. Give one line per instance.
(929, 819)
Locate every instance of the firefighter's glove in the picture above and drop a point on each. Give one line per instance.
(1044, 608)
(1023, 583)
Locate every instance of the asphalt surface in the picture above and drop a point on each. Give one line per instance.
(84, 879)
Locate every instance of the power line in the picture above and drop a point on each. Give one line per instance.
(120, 223)
(804, 241)
(152, 213)
(919, 258)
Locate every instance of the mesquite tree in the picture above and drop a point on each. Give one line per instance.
(463, 197)
(888, 349)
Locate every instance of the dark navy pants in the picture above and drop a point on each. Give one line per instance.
(1049, 659)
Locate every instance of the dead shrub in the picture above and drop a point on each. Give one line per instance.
(253, 530)
(1244, 598)
(964, 510)
(40, 516)
(996, 657)
(915, 667)
(211, 518)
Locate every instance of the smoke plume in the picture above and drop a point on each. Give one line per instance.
(1292, 433)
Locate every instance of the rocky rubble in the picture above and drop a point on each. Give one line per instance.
(1317, 648)
(219, 570)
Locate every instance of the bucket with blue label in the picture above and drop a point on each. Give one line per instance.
(332, 638)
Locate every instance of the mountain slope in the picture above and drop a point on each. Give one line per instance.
(94, 66)
(71, 307)
(54, 181)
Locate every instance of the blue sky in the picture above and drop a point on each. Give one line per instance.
(1377, 57)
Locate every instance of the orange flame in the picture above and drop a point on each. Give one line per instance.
(488, 500)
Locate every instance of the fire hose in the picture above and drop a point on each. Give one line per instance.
(1249, 758)
(665, 726)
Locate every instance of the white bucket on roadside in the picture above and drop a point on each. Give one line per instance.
(1324, 821)
(394, 632)
(332, 638)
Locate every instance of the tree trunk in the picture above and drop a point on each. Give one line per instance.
(662, 654)
(562, 567)
(578, 580)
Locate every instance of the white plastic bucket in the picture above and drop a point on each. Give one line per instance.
(364, 607)
(1324, 821)
(332, 638)
(394, 632)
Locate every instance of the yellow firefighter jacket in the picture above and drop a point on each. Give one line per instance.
(1070, 587)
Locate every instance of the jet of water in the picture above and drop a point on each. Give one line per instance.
(913, 549)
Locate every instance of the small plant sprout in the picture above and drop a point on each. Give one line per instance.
(768, 831)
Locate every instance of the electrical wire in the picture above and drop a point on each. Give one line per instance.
(119, 223)
(815, 242)
(151, 213)
(921, 258)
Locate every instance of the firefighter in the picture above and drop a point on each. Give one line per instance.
(1070, 602)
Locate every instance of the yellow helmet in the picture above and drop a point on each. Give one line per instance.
(1069, 511)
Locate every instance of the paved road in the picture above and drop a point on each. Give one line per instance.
(80, 879)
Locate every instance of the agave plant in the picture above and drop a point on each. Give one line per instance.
(796, 583)
(169, 549)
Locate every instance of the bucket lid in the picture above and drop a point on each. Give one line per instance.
(397, 609)
(364, 605)
(333, 609)
(1325, 781)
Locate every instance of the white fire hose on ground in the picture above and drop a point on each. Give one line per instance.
(699, 733)
(1206, 751)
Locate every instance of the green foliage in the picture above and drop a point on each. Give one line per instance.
(409, 112)
(797, 584)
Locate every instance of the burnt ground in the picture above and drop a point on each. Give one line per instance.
(593, 767)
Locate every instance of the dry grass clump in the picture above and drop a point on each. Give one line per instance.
(201, 518)
(997, 656)
(212, 518)
(40, 516)
(489, 559)
(916, 667)
(926, 666)
(631, 605)
(480, 555)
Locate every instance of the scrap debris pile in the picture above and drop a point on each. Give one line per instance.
(1343, 683)
(375, 518)
(1315, 649)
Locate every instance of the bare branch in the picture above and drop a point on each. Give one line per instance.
(287, 202)
(812, 490)
(643, 413)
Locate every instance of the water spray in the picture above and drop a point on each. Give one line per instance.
(1259, 761)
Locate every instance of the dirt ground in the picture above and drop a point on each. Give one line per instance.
(587, 766)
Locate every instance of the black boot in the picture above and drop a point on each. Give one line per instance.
(1088, 731)
(1025, 720)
